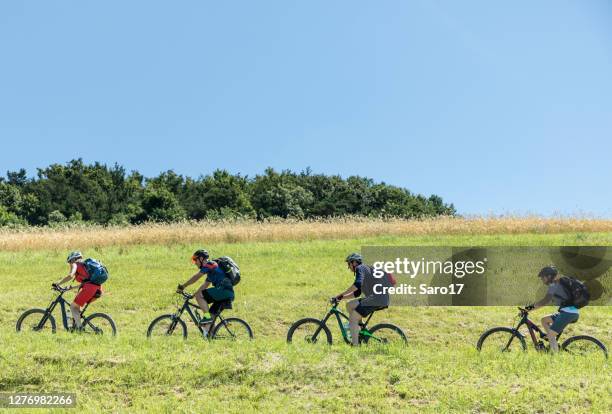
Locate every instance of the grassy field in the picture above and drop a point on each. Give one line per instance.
(439, 371)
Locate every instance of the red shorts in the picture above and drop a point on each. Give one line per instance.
(87, 294)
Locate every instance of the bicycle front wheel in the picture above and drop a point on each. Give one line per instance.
(232, 329)
(583, 345)
(36, 320)
(99, 324)
(384, 334)
(501, 339)
(167, 325)
(310, 331)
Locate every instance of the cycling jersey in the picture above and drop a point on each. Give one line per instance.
(88, 291)
(81, 273)
(365, 282)
(559, 297)
(361, 273)
(216, 276)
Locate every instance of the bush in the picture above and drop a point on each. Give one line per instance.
(9, 219)
(159, 204)
(56, 218)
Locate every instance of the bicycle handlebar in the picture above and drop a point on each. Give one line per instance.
(186, 296)
(60, 289)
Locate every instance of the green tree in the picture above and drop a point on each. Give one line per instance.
(275, 194)
(159, 204)
(221, 195)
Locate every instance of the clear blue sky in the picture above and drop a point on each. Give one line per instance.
(499, 108)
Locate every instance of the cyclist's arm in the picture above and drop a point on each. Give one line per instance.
(545, 301)
(193, 279)
(359, 276)
(64, 280)
(71, 275)
(348, 292)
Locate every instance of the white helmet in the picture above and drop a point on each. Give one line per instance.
(73, 256)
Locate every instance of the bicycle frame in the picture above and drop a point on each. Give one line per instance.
(63, 304)
(192, 310)
(532, 327)
(339, 317)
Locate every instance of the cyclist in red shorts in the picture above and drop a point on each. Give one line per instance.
(88, 292)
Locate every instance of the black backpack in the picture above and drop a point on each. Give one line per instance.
(576, 291)
(230, 268)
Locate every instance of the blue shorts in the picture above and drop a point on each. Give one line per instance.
(561, 320)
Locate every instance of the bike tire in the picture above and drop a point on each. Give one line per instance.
(223, 327)
(394, 330)
(42, 313)
(583, 338)
(514, 334)
(174, 322)
(92, 322)
(316, 324)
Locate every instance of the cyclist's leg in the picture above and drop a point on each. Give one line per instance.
(354, 319)
(87, 292)
(199, 297)
(559, 322)
(547, 321)
(75, 309)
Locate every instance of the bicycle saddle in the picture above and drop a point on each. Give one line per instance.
(220, 306)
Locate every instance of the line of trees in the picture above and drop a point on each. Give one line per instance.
(77, 192)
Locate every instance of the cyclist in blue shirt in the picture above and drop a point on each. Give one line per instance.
(221, 290)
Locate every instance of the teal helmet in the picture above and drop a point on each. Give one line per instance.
(73, 256)
(354, 257)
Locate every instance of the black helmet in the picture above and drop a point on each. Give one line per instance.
(354, 257)
(548, 271)
(198, 254)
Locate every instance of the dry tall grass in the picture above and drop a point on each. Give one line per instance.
(279, 230)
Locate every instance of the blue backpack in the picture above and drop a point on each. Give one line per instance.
(98, 273)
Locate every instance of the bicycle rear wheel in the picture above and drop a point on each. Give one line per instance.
(310, 331)
(584, 345)
(232, 329)
(385, 334)
(501, 339)
(99, 324)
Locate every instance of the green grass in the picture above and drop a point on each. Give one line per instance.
(439, 371)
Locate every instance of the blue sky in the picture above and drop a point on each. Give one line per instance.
(498, 108)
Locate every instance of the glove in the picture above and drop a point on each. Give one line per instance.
(529, 307)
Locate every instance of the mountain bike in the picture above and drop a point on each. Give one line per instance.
(225, 328)
(312, 330)
(509, 339)
(39, 320)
